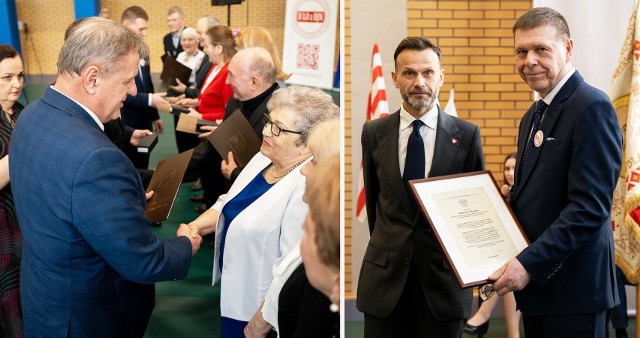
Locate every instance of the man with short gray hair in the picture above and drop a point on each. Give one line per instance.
(88, 245)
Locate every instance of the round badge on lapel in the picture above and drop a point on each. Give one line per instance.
(537, 140)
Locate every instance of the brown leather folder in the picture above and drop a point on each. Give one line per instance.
(165, 184)
(235, 134)
(192, 124)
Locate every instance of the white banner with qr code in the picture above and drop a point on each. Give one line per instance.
(310, 41)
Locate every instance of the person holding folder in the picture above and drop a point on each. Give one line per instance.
(220, 47)
(88, 249)
(407, 288)
(139, 110)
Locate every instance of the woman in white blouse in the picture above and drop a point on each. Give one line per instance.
(258, 221)
(191, 56)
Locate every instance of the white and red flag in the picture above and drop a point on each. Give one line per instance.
(377, 106)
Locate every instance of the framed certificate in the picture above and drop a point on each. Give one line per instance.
(473, 223)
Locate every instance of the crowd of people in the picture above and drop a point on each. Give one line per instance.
(98, 272)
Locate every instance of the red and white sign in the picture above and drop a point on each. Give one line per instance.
(309, 42)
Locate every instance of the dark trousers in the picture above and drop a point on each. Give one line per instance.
(139, 302)
(619, 313)
(590, 325)
(184, 141)
(412, 317)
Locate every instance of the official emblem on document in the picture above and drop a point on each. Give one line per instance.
(537, 139)
(463, 202)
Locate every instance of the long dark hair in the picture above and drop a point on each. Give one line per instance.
(509, 156)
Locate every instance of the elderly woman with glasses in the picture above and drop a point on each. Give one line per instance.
(258, 221)
(292, 307)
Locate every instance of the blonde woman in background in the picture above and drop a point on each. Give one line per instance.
(260, 37)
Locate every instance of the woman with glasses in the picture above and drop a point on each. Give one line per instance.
(293, 307)
(11, 85)
(258, 221)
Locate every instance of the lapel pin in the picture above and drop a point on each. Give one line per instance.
(537, 140)
(454, 140)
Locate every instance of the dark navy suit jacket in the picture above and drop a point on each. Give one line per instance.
(399, 235)
(81, 207)
(136, 112)
(563, 202)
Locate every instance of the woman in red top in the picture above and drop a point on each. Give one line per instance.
(220, 47)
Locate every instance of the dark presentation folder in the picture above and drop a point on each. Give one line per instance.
(173, 70)
(165, 183)
(147, 143)
(235, 134)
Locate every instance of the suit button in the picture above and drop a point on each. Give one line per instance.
(407, 261)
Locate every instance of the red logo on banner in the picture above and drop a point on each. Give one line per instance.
(633, 179)
(310, 16)
(636, 49)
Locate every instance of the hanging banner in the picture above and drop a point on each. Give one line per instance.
(310, 42)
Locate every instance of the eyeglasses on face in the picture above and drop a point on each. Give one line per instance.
(275, 129)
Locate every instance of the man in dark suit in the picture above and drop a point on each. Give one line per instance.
(88, 247)
(569, 157)
(252, 75)
(139, 110)
(171, 41)
(406, 287)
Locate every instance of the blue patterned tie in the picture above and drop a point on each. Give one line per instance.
(537, 116)
(414, 162)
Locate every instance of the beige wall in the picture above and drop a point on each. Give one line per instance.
(47, 21)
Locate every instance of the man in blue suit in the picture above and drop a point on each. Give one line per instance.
(87, 243)
(569, 157)
(139, 110)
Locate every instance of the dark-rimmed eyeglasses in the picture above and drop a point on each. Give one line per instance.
(275, 129)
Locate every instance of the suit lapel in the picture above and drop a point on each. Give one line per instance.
(448, 140)
(547, 125)
(387, 136)
(60, 102)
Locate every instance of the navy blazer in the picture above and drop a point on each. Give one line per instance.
(136, 112)
(169, 49)
(563, 202)
(81, 207)
(399, 235)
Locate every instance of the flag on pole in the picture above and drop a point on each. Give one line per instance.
(450, 108)
(377, 106)
(625, 96)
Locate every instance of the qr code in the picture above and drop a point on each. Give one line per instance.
(308, 56)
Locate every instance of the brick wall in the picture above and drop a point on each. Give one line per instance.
(478, 59)
(47, 21)
(347, 151)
